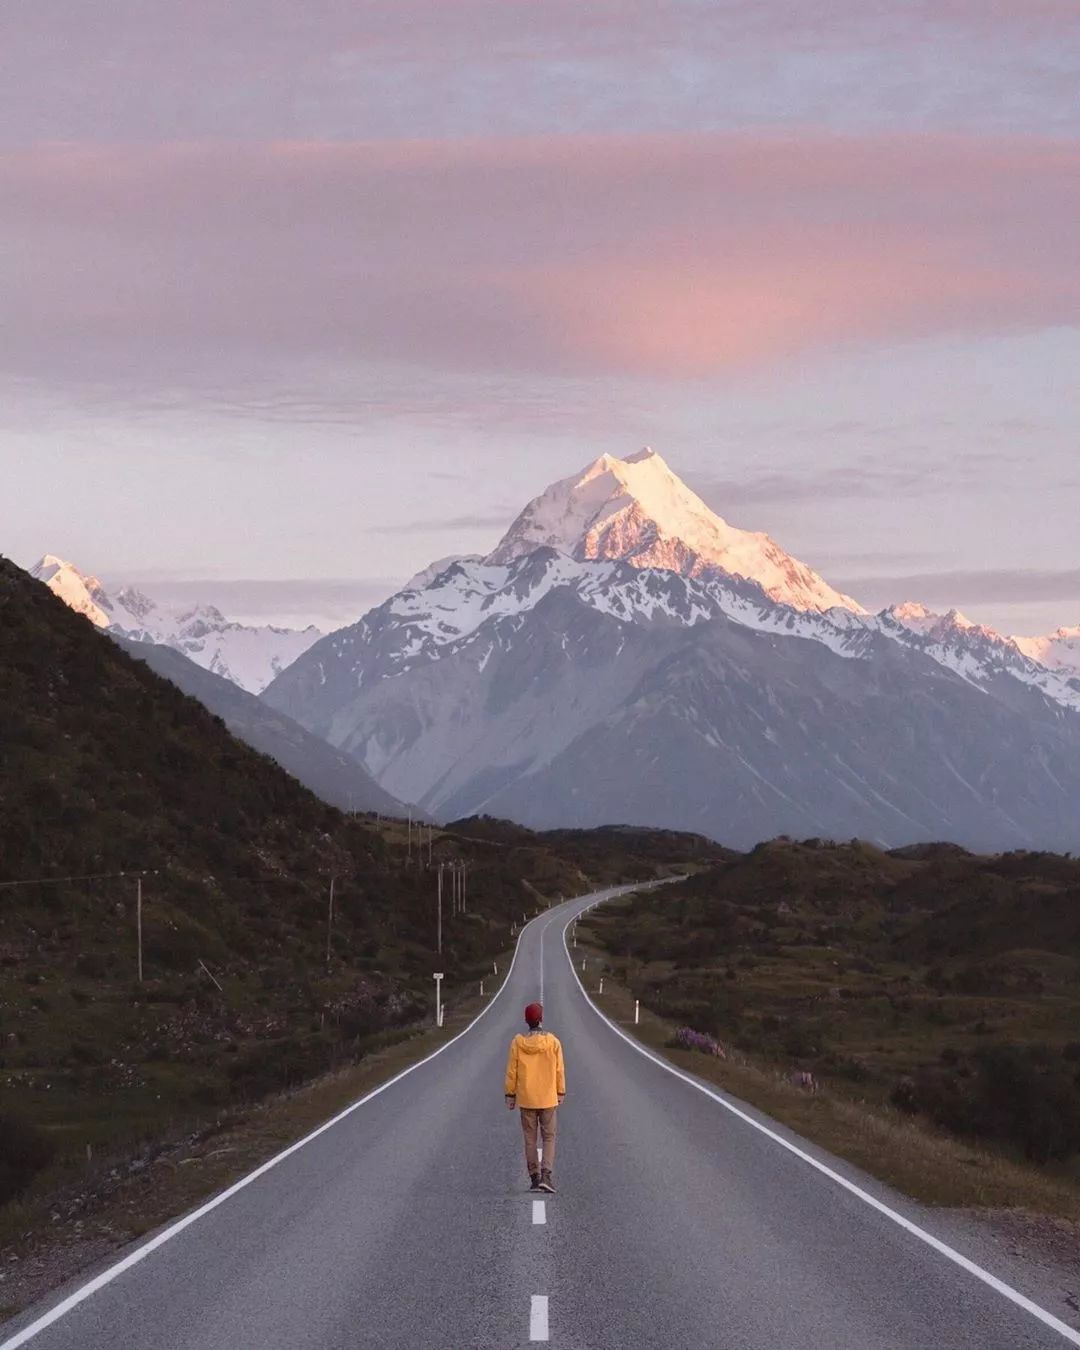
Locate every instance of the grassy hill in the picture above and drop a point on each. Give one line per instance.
(945, 983)
(108, 771)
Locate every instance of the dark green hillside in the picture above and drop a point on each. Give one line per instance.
(106, 768)
(618, 852)
(944, 982)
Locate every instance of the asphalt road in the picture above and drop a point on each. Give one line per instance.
(676, 1224)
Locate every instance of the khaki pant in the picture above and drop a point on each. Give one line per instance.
(544, 1121)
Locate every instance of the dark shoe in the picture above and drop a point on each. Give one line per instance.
(545, 1183)
(534, 1177)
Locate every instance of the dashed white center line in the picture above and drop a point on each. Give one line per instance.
(539, 1211)
(538, 1318)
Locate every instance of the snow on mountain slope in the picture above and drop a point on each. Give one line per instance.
(977, 653)
(465, 604)
(248, 656)
(427, 574)
(637, 510)
(1059, 650)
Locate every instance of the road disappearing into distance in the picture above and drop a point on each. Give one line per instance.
(681, 1220)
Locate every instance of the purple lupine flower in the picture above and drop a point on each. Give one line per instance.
(690, 1039)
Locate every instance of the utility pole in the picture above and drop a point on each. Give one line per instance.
(138, 921)
(430, 842)
(438, 930)
(330, 922)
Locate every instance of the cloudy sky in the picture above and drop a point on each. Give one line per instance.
(295, 297)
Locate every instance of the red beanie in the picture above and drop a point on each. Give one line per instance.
(534, 1014)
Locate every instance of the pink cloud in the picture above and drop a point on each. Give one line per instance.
(670, 256)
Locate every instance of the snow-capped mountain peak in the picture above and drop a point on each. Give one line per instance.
(249, 656)
(1059, 650)
(80, 592)
(919, 619)
(637, 510)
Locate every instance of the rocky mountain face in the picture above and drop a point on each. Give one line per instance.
(565, 691)
(247, 656)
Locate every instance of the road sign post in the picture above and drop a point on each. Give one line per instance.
(438, 998)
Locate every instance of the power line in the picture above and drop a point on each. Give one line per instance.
(92, 876)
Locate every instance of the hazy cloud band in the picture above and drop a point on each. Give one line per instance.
(654, 256)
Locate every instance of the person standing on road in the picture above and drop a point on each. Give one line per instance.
(536, 1084)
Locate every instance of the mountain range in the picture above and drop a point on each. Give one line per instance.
(626, 655)
(248, 656)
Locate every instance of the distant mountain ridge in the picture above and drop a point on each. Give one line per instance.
(248, 656)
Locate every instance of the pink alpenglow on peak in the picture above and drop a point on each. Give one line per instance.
(916, 617)
(1059, 650)
(84, 594)
(638, 511)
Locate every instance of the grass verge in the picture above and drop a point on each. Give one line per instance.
(903, 1151)
(49, 1238)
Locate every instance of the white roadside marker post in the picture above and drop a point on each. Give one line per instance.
(637, 1011)
(601, 990)
(438, 998)
(481, 988)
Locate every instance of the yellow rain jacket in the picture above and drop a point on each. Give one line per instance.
(534, 1071)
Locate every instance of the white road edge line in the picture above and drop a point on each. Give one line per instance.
(140, 1253)
(538, 1318)
(942, 1248)
(539, 1212)
(609, 894)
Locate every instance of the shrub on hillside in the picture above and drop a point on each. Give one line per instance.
(1005, 1093)
(24, 1151)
